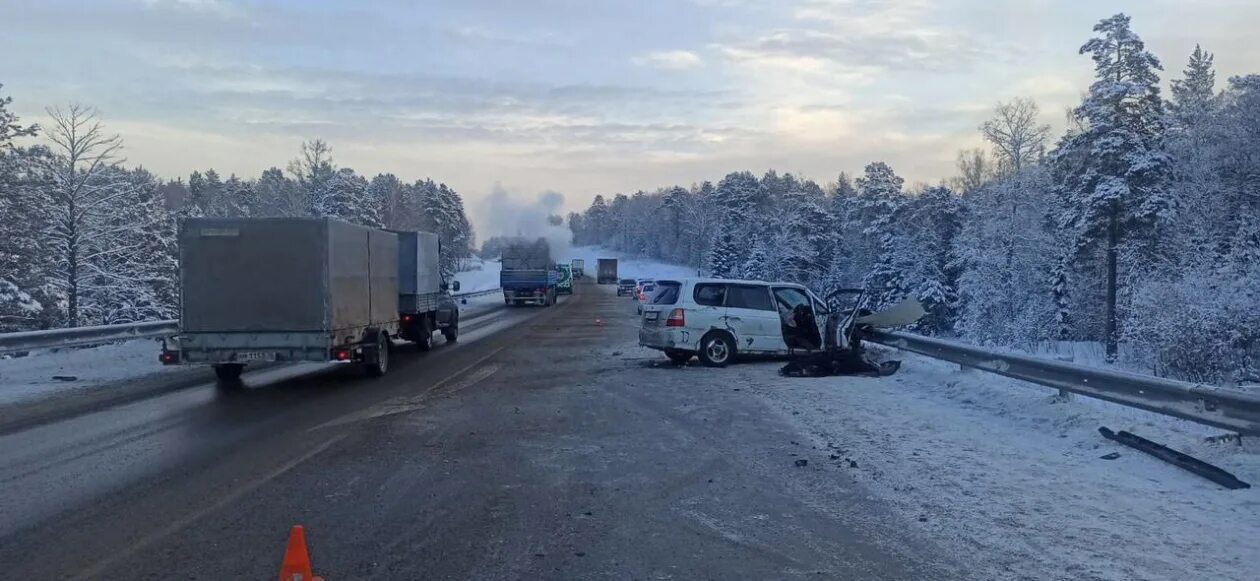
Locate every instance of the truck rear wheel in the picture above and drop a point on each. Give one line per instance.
(229, 373)
(451, 332)
(377, 363)
(424, 334)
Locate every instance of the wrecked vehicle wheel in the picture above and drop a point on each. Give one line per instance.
(716, 349)
(679, 357)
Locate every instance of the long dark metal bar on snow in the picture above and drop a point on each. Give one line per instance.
(1205, 404)
(1178, 459)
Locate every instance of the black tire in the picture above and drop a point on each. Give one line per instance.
(377, 364)
(229, 374)
(424, 334)
(679, 357)
(717, 349)
(452, 332)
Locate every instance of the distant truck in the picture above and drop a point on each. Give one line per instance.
(564, 279)
(302, 289)
(606, 272)
(528, 273)
(578, 266)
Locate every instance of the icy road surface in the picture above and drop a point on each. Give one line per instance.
(1011, 477)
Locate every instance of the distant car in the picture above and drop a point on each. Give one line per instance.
(720, 319)
(626, 286)
(645, 294)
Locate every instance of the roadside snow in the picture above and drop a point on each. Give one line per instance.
(628, 266)
(1010, 476)
(482, 275)
(27, 378)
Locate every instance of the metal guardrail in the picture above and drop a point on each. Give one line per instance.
(1213, 406)
(480, 293)
(27, 340)
(79, 336)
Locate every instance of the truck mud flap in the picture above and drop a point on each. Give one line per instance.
(1183, 461)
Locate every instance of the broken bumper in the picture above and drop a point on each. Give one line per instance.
(666, 338)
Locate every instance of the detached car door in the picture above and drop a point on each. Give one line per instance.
(750, 312)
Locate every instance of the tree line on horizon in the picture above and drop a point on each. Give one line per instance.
(1138, 227)
(85, 240)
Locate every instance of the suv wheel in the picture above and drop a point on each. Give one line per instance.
(717, 350)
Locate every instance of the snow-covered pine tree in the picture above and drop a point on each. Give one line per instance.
(1113, 174)
(130, 273)
(398, 210)
(1004, 254)
(1194, 95)
(757, 265)
(24, 220)
(237, 198)
(724, 257)
(346, 198)
(279, 196)
(871, 220)
(805, 231)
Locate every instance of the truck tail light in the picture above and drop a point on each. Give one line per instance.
(676, 319)
(168, 357)
(406, 318)
(341, 355)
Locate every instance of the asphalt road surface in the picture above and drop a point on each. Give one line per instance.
(527, 450)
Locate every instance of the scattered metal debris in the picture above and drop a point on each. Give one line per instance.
(1183, 461)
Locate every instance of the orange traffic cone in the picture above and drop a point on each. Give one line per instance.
(296, 565)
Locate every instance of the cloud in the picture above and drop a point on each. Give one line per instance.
(858, 38)
(216, 7)
(671, 60)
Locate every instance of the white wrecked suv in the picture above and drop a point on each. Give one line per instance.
(719, 319)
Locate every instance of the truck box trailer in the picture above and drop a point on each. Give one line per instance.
(606, 272)
(285, 289)
(578, 266)
(423, 304)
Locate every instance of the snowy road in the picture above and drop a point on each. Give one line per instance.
(532, 452)
(546, 446)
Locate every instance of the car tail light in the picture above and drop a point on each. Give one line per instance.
(676, 319)
(342, 355)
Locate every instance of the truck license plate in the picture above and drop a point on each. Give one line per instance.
(256, 356)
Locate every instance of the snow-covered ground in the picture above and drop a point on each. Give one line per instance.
(482, 275)
(1007, 475)
(24, 379)
(628, 266)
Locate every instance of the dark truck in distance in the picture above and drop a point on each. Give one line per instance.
(606, 271)
(578, 267)
(528, 273)
(298, 289)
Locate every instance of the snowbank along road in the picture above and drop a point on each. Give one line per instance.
(544, 445)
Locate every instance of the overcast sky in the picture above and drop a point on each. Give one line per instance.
(576, 96)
